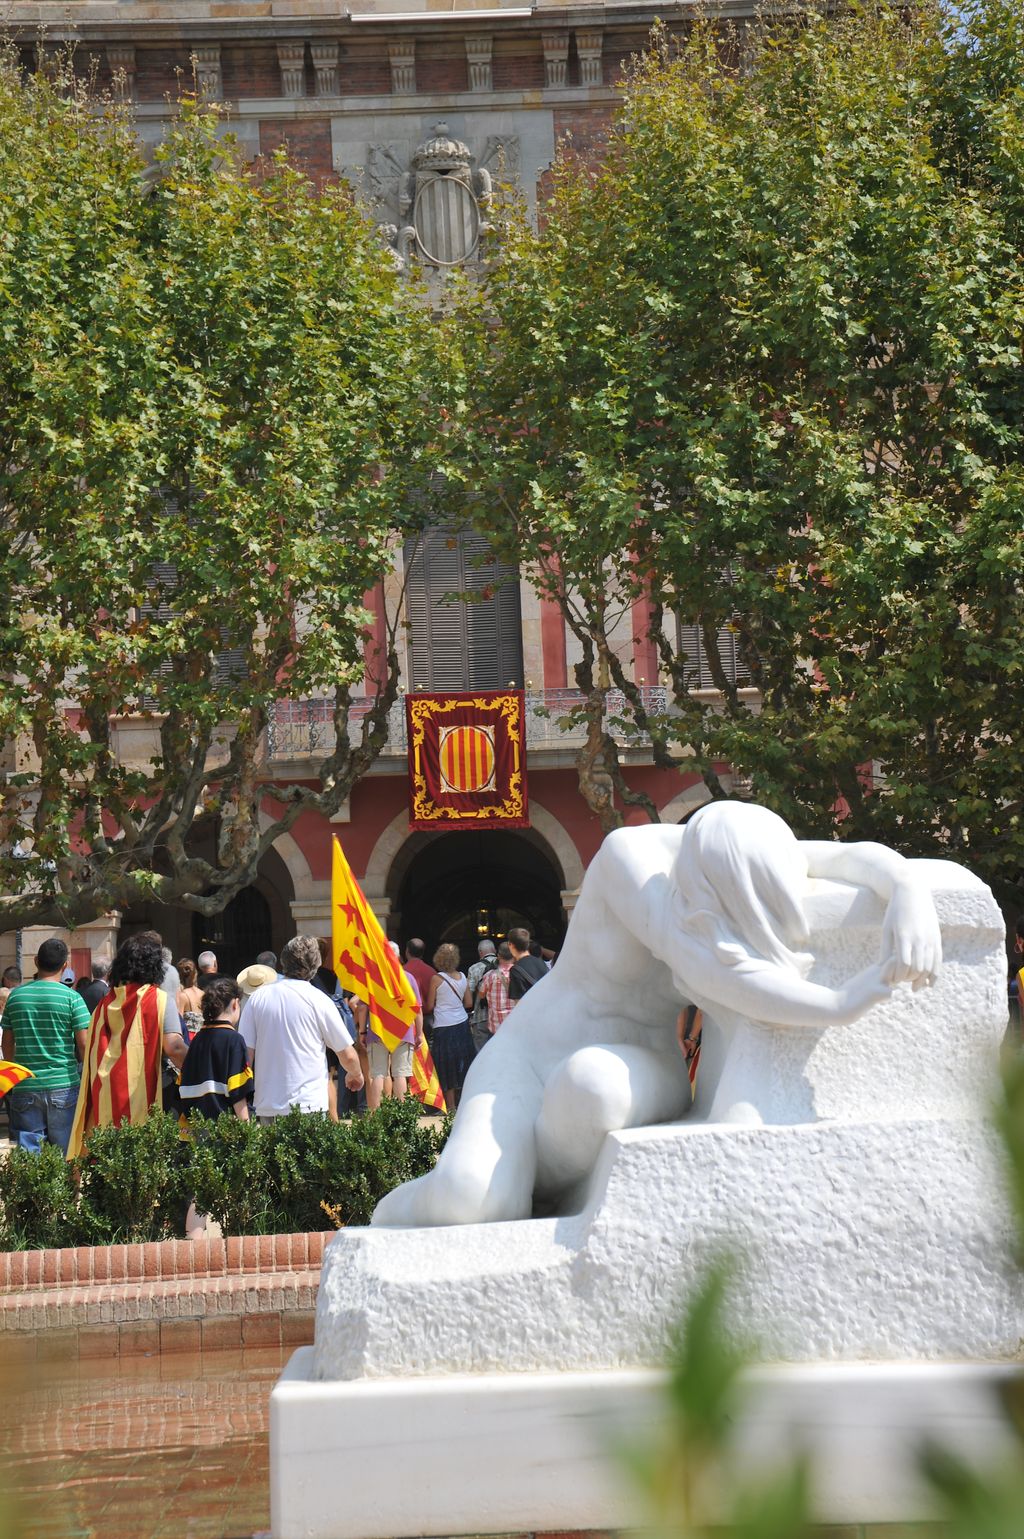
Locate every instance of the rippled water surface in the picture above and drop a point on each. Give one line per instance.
(140, 1447)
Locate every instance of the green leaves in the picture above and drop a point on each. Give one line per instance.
(134, 1182)
(779, 332)
(213, 417)
(688, 1471)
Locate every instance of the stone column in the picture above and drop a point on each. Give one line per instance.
(312, 915)
(588, 46)
(292, 59)
(100, 937)
(478, 59)
(402, 58)
(556, 57)
(325, 63)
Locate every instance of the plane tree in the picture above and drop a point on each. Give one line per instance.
(211, 414)
(761, 367)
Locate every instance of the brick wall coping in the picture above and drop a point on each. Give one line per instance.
(162, 1261)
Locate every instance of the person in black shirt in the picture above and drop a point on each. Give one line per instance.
(216, 1077)
(526, 969)
(209, 972)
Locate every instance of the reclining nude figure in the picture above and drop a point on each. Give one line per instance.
(708, 914)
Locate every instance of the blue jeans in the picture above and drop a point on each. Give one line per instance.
(35, 1115)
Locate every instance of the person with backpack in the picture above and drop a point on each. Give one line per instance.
(478, 1010)
(494, 990)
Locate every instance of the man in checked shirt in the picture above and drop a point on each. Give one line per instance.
(494, 989)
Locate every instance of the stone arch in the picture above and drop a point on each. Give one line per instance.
(686, 802)
(562, 845)
(291, 853)
(393, 837)
(389, 842)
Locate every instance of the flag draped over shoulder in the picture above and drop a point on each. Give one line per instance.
(367, 967)
(123, 1053)
(12, 1074)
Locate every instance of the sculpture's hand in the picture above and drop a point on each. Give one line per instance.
(868, 988)
(911, 949)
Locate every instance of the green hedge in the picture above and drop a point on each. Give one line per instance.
(300, 1172)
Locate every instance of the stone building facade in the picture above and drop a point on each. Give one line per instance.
(424, 109)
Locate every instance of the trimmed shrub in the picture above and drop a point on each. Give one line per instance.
(228, 1172)
(301, 1172)
(39, 1202)
(305, 1172)
(381, 1152)
(134, 1181)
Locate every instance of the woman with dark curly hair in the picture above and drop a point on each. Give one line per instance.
(135, 1044)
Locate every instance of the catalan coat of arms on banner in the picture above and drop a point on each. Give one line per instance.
(467, 760)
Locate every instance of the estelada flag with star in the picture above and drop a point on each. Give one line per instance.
(467, 760)
(367, 967)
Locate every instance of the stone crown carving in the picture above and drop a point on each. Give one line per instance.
(441, 153)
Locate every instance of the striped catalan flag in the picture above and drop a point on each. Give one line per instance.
(694, 1035)
(12, 1074)
(367, 967)
(123, 1053)
(426, 1086)
(467, 758)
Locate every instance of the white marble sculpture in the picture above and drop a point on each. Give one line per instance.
(715, 914)
(839, 1149)
(839, 1143)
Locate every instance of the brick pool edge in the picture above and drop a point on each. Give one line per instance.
(170, 1296)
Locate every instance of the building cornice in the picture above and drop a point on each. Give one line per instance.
(227, 22)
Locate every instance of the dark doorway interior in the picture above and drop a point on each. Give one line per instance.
(459, 887)
(238, 934)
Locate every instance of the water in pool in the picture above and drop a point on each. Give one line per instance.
(171, 1447)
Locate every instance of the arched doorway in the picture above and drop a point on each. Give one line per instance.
(257, 919)
(459, 887)
(238, 933)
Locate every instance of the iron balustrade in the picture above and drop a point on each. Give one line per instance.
(304, 729)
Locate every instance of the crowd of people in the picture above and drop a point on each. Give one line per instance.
(143, 1031)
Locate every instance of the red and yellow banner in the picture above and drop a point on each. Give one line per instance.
(467, 760)
(426, 1086)
(368, 968)
(123, 1060)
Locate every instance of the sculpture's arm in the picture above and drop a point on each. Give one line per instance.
(639, 892)
(772, 994)
(911, 946)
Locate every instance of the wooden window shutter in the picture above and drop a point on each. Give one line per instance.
(457, 644)
(698, 674)
(228, 665)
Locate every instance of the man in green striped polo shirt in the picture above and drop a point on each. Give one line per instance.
(44, 1023)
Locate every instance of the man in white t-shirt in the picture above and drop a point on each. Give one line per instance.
(286, 1030)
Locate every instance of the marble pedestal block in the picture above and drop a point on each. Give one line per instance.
(528, 1453)
(868, 1218)
(854, 1242)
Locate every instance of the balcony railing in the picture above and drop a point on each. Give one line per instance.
(304, 729)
